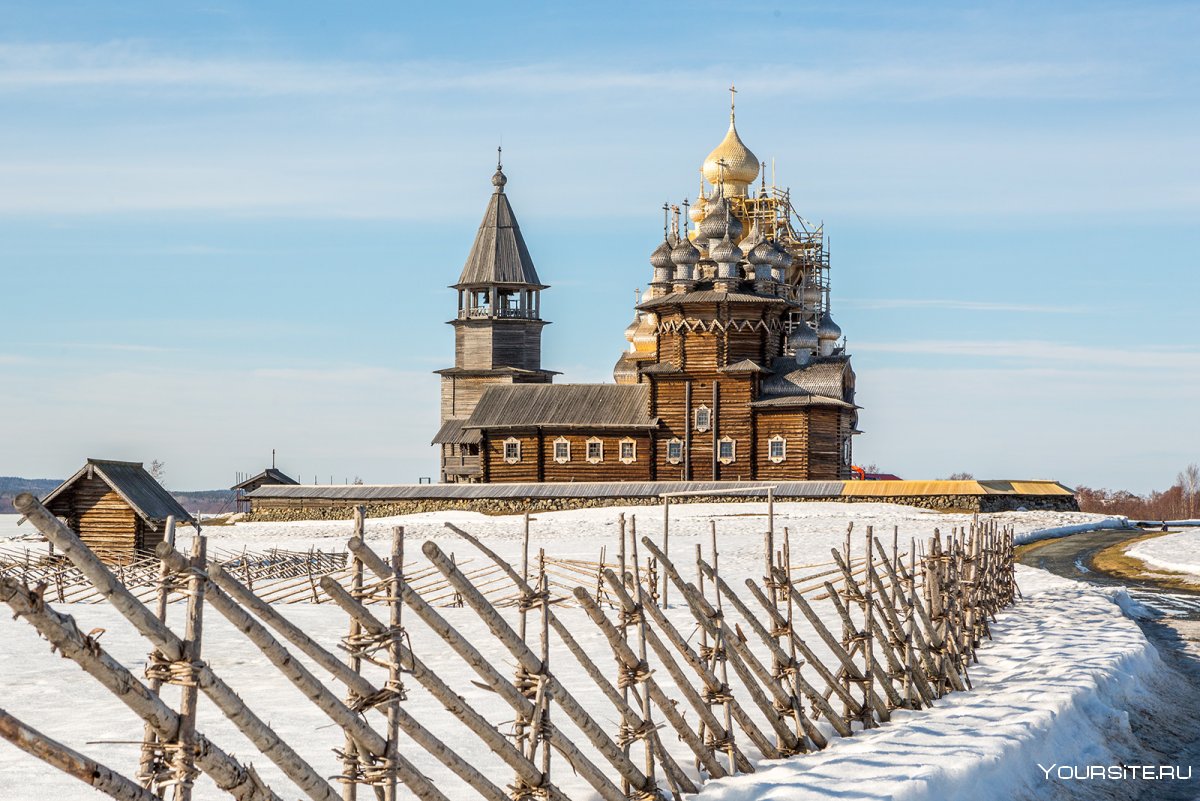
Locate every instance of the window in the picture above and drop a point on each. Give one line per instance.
(562, 450)
(776, 449)
(595, 450)
(726, 450)
(675, 450)
(628, 451)
(512, 450)
(703, 418)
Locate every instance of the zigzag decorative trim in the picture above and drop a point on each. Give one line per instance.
(692, 325)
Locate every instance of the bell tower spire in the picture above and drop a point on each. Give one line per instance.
(498, 325)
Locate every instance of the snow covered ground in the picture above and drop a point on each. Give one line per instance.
(1179, 552)
(1049, 688)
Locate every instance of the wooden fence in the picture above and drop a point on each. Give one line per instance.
(827, 650)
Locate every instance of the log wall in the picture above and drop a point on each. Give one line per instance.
(792, 424)
(100, 516)
(537, 457)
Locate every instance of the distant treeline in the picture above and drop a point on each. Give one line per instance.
(1181, 501)
(202, 501)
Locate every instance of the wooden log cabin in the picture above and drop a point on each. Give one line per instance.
(735, 369)
(269, 477)
(116, 508)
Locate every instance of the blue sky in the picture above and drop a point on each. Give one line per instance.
(228, 227)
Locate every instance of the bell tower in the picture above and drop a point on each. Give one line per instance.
(497, 329)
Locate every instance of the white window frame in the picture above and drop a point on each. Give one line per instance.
(600, 444)
(565, 458)
(707, 418)
(512, 459)
(782, 441)
(632, 457)
(732, 443)
(670, 444)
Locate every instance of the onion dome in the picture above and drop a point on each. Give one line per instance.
(696, 213)
(731, 163)
(499, 179)
(720, 222)
(753, 238)
(762, 253)
(631, 329)
(827, 329)
(645, 336)
(684, 254)
(725, 252)
(779, 256)
(660, 259)
(810, 292)
(802, 338)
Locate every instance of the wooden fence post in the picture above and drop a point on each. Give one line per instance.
(151, 770)
(66, 638)
(171, 647)
(183, 759)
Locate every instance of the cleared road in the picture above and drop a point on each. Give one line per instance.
(1169, 731)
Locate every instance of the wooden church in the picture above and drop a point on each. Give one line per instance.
(734, 369)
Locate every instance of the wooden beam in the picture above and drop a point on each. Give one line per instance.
(172, 647)
(66, 638)
(71, 762)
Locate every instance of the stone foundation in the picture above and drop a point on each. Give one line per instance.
(341, 510)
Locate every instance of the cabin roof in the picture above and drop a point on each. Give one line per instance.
(466, 372)
(661, 368)
(713, 296)
(149, 499)
(744, 366)
(823, 377)
(272, 475)
(499, 255)
(795, 401)
(563, 406)
(453, 433)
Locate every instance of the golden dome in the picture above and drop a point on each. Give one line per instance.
(740, 165)
(645, 337)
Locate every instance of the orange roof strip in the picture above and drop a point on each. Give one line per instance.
(885, 489)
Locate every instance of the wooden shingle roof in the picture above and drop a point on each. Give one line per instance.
(824, 377)
(499, 255)
(271, 475)
(453, 433)
(563, 406)
(149, 499)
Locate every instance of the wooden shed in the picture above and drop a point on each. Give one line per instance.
(116, 508)
(267, 478)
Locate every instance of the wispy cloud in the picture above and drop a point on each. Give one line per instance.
(959, 305)
(131, 65)
(1122, 356)
(122, 347)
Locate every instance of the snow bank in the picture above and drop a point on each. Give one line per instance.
(1050, 689)
(1179, 553)
(1023, 537)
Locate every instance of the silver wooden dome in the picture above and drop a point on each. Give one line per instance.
(827, 329)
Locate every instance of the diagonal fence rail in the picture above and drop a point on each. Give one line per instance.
(677, 693)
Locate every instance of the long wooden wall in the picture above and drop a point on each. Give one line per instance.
(537, 457)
